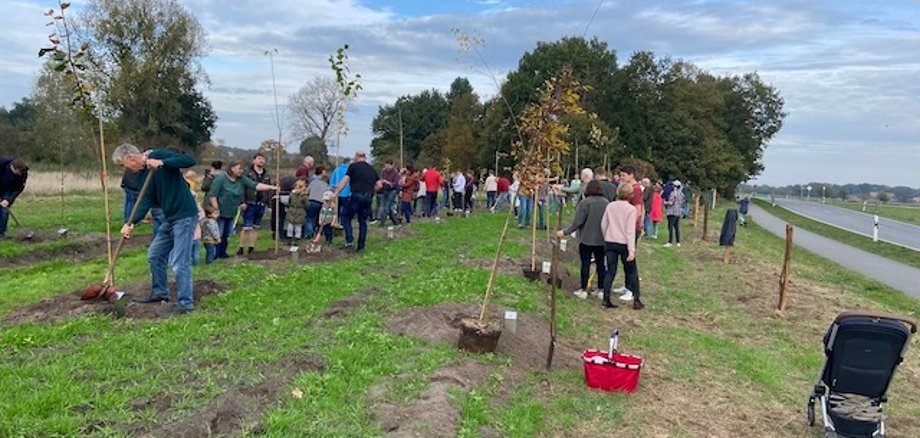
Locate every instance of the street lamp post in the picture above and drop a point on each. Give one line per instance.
(809, 193)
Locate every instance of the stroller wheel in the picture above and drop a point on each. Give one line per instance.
(811, 413)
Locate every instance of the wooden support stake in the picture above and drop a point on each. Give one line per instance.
(486, 302)
(705, 222)
(553, 278)
(105, 192)
(787, 265)
(726, 254)
(696, 210)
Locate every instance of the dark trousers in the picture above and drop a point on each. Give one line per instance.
(4, 220)
(458, 200)
(130, 199)
(490, 199)
(673, 228)
(620, 251)
(210, 250)
(226, 225)
(327, 233)
(359, 205)
(586, 251)
(468, 199)
(407, 210)
(432, 205)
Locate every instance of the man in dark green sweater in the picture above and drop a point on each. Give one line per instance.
(172, 245)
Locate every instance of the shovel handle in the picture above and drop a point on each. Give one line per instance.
(10, 212)
(110, 273)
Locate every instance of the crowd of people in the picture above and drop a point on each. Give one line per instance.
(611, 218)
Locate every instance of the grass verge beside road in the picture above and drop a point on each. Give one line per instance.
(894, 252)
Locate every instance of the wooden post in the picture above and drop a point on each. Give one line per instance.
(787, 264)
(696, 210)
(533, 223)
(105, 192)
(553, 278)
(715, 198)
(726, 254)
(484, 312)
(705, 222)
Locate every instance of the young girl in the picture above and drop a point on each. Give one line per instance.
(619, 229)
(327, 217)
(655, 215)
(297, 212)
(210, 233)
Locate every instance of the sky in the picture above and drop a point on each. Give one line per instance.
(849, 71)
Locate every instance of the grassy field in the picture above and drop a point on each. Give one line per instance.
(894, 252)
(342, 349)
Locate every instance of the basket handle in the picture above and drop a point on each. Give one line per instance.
(614, 340)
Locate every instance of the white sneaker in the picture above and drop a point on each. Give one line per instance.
(598, 293)
(668, 245)
(628, 296)
(620, 290)
(678, 245)
(580, 293)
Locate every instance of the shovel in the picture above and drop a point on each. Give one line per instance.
(27, 234)
(106, 289)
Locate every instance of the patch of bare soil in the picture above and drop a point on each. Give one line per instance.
(432, 414)
(70, 306)
(344, 306)
(399, 231)
(238, 410)
(79, 247)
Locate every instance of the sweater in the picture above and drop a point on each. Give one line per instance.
(11, 185)
(337, 176)
(316, 189)
(491, 184)
(619, 224)
(587, 221)
(229, 194)
(168, 189)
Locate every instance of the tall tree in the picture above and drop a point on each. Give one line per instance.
(460, 145)
(58, 129)
(422, 115)
(314, 106)
(146, 56)
(315, 147)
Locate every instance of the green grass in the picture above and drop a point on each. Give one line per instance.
(83, 376)
(894, 252)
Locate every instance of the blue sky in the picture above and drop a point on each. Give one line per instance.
(848, 70)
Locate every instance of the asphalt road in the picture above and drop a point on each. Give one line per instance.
(896, 275)
(891, 231)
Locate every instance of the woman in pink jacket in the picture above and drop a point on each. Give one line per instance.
(619, 228)
(657, 212)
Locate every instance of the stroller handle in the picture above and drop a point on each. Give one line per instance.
(877, 315)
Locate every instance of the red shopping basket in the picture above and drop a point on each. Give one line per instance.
(611, 371)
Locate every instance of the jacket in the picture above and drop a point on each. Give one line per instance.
(587, 221)
(297, 208)
(11, 185)
(729, 228)
(675, 203)
(252, 196)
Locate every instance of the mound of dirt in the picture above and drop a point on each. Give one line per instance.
(79, 247)
(433, 414)
(237, 410)
(70, 306)
(344, 306)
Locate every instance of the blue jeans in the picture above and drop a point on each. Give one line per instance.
(431, 203)
(360, 205)
(524, 210)
(130, 199)
(226, 225)
(159, 218)
(210, 253)
(407, 210)
(171, 249)
(647, 225)
(252, 217)
(313, 209)
(386, 208)
(196, 246)
(490, 199)
(502, 199)
(4, 219)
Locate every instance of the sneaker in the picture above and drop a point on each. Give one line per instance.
(348, 246)
(620, 290)
(610, 305)
(598, 293)
(678, 245)
(172, 311)
(580, 293)
(628, 296)
(638, 305)
(668, 245)
(239, 252)
(372, 222)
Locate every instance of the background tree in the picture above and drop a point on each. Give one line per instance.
(313, 108)
(423, 115)
(146, 65)
(465, 111)
(316, 148)
(52, 117)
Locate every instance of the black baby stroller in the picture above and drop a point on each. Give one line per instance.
(863, 349)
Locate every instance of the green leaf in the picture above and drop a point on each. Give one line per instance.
(60, 67)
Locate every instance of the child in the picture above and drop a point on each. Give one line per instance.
(297, 212)
(327, 217)
(210, 233)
